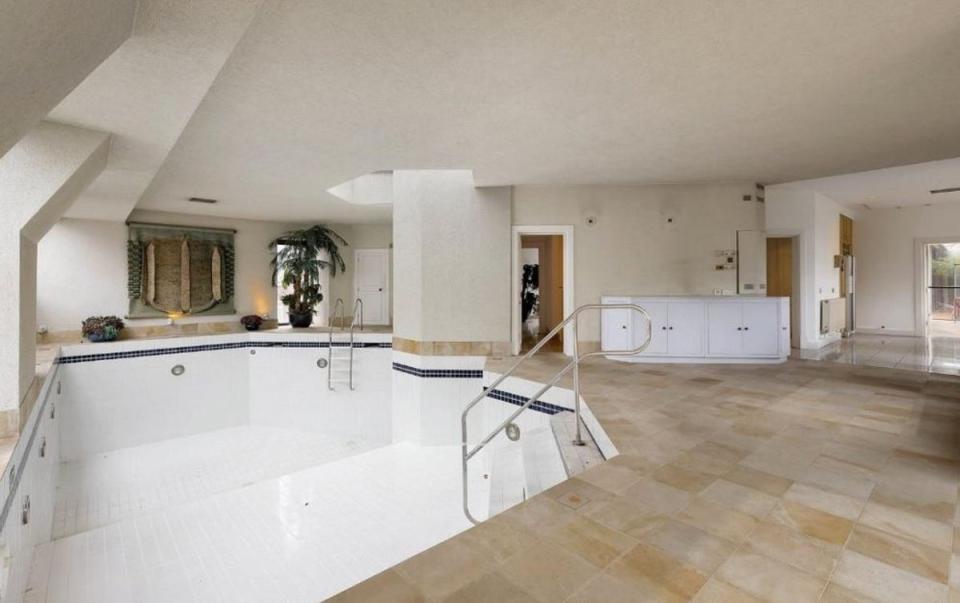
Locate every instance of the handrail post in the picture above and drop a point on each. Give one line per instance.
(466, 453)
(338, 305)
(578, 439)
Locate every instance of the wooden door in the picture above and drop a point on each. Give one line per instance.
(846, 248)
(780, 267)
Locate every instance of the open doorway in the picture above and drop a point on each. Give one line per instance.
(943, 289)
(544, 297)
(541, 297)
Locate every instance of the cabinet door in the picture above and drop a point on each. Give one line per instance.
(724, 331)
(784, 326)
(616, 329)
(658, 331)
(761, 329)
(685, 321)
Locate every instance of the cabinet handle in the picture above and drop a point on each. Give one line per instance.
(746, 328)
(663, 328)
(739, 328)
(671, 328)
(623, 327)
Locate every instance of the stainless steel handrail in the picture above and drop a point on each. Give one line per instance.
(573, 364)
(357, 308)
(338, 305)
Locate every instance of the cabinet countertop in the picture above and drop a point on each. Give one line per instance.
(698, 297)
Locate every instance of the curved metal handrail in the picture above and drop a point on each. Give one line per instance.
(357, 311)
(573, 364)
(357, 308)
(338, 305)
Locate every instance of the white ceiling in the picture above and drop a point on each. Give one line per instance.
(146, 91)
(547, 91)
(47, 47)
(901, 186)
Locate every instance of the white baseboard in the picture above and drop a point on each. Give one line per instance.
(890, 332)
(697, 359)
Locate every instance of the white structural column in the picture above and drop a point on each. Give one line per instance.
(39, 178)
(451, 297)
(451, 257)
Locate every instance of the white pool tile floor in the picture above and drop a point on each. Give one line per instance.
(299, 537)
(107, 487)
(927, 354)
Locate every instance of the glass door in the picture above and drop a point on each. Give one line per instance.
(943, 289)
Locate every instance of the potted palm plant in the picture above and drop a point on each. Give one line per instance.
(297, 262)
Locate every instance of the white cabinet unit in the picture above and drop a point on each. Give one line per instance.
(700, 329)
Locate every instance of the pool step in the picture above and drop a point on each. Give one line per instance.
(506, 479)
(576, 459)
(524, 469)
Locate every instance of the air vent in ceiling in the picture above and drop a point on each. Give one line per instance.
(955, 189)
(202, 200)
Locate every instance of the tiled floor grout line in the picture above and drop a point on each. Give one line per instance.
(846, 541)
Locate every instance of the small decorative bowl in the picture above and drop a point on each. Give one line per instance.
(251, 322)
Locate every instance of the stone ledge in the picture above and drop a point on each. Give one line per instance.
(452, 348)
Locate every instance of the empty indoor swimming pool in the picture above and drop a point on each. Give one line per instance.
(237, 468)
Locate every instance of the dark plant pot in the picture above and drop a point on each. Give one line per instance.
(301, 321)
(97, 337)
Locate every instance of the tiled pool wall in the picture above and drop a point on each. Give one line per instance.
(105, 397)
(128, 394)
(27, 491)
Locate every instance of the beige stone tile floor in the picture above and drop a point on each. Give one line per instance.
(806, 481)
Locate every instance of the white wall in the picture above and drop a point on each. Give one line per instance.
(360, 236)
(884, 243)
(633, 249)
(815, 220)
(39, 179)
(82, 267)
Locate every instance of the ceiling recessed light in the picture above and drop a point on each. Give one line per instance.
(955, 189)
(201, 200)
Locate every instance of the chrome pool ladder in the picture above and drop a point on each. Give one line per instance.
(574, 364)
(338, 310)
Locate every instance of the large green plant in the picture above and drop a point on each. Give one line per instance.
(297, 263)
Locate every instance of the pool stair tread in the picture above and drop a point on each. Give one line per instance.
(576, 459)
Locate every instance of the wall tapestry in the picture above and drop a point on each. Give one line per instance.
(179, 270)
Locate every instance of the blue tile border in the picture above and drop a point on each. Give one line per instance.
(518, 400)
(217, 346)
(438, 373)
(496, 394)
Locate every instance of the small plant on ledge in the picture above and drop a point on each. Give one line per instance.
(251, 322)
(102, 328)
(297, 261)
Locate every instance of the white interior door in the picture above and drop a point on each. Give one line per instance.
(371, 283)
